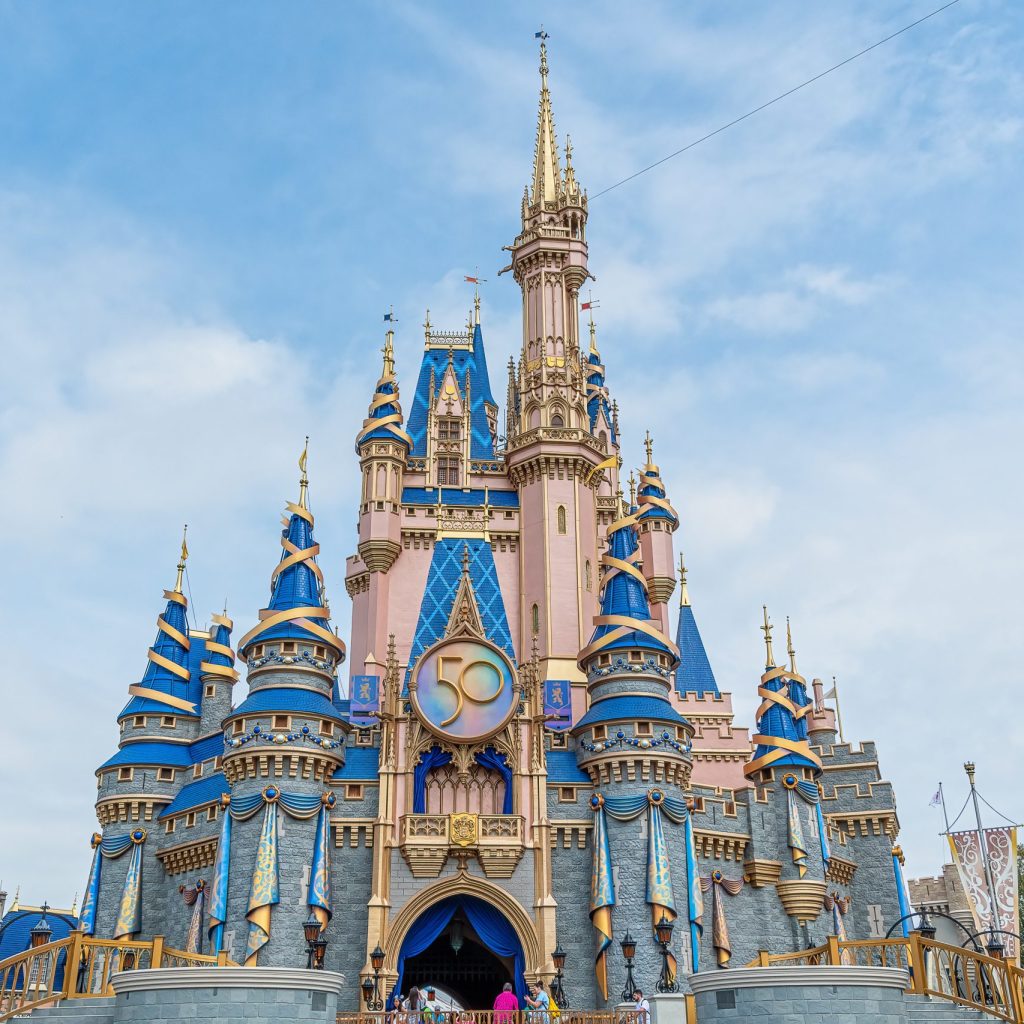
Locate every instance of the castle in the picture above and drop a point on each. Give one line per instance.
(530, 749)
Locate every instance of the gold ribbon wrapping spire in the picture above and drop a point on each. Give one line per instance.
(391, 422)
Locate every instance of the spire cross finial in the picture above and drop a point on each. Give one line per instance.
(767, 630)
(182, 560)
(303, 479)
(648, 446)
(789, 647)
(684, 595)
(632, 489)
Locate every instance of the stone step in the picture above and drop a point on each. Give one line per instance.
(940, 1011)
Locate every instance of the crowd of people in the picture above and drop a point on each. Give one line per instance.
(422, 1007)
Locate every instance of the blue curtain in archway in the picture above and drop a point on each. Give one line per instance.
(495, 762)
(435, 757)
(494, 929)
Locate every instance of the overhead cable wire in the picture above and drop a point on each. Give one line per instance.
(781, 96)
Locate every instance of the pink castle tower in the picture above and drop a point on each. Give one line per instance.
(656, 521)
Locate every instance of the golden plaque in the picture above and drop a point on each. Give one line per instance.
(463, 829)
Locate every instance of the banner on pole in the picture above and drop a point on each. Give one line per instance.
(969, 857)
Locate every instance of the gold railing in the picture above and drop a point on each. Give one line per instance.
(30, 979)
(963, 976)
(493, 1017)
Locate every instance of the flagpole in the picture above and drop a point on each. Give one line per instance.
(994, 946)
(839, 716)
(945, 816)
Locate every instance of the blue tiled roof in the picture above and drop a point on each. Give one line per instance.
(597, 402)
(287, 700)
(146, 752)
(156, 677)
(219, 634)
(562, 768)
(439, 595)
(653, 489)
(16, 927)
(388, 409)
(473, 497)
(207, 747)
(625, 708)
(694, 673)
(361, 765)
(196, 794)
(481, 445)
(624, 595)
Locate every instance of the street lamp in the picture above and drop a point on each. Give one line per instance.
(558, 959)
(629, 951)
(371, 987)
(663, 929)
(316, 944)
(40, 934)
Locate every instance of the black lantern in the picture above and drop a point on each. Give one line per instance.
(40, 934)
(663, 929)
(311, 931)
(629, 951)
(371, 986)
(557, 989)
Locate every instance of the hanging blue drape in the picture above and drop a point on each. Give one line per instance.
(499, 937)
(219, 897)
(435, 757)
(87, 920)
(490, 924)
(495, 762)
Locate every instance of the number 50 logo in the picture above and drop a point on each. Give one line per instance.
(465, 689)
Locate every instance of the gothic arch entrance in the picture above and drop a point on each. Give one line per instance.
(464, 946)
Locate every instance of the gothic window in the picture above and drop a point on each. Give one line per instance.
(534, 417)
(588, 575)
(448, 472)
(483, 792)
(560, 518)
(535, 619)
(449, 429)
(557, 420)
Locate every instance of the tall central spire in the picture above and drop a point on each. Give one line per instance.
(547, 172)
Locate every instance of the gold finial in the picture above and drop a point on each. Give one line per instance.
(389, 351)
(767, 630)
(632, 489)
(74, 906)
(465, 559)
(789, 648)
(648, 446)
(684, 594)
(618, 494)
(182, 560)
(547, 175)
(969, 768)
(17, 898)
(427, 325)
(304, 480)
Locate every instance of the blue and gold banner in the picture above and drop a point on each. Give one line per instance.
(795, 839)
(694, 897)
(714, 884)
(87, 919)
(219, 895)
(319, 897)
(129, 914)
(557, 703)
(364, 699)
(602, 893)
(194, 897)
(659, 871)
(264, 893)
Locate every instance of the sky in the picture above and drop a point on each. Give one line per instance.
(206, 209)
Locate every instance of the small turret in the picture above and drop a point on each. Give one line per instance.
(656, 521)
(217, 672)
(694, 674)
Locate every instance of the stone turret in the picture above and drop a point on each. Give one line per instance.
(656, 522)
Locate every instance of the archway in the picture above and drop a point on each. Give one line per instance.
(465, 946)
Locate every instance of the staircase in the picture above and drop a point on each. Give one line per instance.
(90, 1011)
(927, 1010)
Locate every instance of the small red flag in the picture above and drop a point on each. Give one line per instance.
(473, 280)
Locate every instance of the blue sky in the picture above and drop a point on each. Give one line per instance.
(204, 211)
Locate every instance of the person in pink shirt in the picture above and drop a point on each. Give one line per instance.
(505, 1006)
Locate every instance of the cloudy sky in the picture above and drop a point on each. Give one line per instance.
(204, 212)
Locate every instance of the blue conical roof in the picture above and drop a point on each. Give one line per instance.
(694, 674)
(167, 670)
(624, 596)
(651, 497)
(597, 397)
(384, 419)
(785, 720)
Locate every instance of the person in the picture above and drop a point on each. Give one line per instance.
(539, 1004)
(556, 1010)
(430, 1007)
(506, 1005)
(643, 1008)
(413, 1005)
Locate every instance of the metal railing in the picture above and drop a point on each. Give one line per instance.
(79, 967)
(963, 976)
(492, 1017)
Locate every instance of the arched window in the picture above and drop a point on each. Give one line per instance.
(535, 620)
(534, 417)
(557, 420)
(560, 518)
(588, 575)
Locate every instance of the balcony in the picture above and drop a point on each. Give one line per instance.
(496, 840)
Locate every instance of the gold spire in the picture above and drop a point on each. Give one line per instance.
(632, 489)
(767, 630)
(648, 446)
(547, 174)
(684, 594)
(304, 480)
(789, 648)
(182, 560)
(389, 353)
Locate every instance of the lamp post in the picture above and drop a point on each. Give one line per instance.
(371, 986)
(558, 959)
(663, 929)
(629, 951)
(316, 944)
